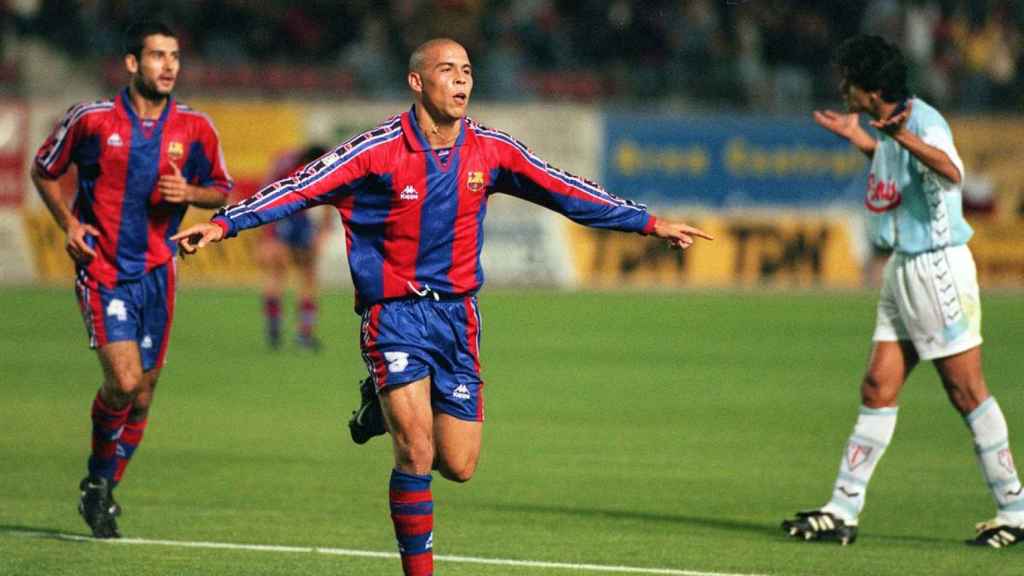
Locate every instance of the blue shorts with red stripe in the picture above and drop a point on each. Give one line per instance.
(410, 339)
(296, 231)
(140, 310)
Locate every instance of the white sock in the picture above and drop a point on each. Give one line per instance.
(992, 444)
(871, 436)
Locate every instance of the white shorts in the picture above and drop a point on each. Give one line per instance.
(932, 300)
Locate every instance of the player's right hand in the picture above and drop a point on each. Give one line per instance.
(198, 236)
(77, 245)
(679, 234)
(843, 124)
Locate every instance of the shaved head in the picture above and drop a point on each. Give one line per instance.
(418, 59)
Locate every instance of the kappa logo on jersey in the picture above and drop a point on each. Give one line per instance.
(114, 141)
(175, 150)
(857, 454)
(475, 181)
(461, 392)
(117, 310)
(882, 196)
(329, 159)
(409, 193)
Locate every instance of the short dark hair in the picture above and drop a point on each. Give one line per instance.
(871, 63)
(312, 152)
(136, 34)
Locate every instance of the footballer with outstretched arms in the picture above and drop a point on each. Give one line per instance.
(929, 307)
(143, 158)
(412, 194)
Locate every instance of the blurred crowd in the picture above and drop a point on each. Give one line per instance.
(764, 55)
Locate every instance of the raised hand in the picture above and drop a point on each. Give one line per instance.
(173, 187)
(895, 123)
(844, 124)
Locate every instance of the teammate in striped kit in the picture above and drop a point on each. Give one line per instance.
(929, 307)
(292, 241)
(142, 159)
(412, 194)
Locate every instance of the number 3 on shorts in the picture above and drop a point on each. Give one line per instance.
(397, 361)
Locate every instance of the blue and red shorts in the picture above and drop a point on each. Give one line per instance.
(296, 231)
(406, 340)
(140, 310)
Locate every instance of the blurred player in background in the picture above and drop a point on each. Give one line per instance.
(412, 194)
(293, 241)
(929, 307)
(143, 159)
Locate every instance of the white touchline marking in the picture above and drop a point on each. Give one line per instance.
(374, 554)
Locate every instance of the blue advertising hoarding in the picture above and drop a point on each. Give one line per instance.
(725, 162)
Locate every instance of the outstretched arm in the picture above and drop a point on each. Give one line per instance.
(197, 236)
(679, 234)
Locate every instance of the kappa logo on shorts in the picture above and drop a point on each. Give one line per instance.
(147, 342)
(461, 392)
(117, 310)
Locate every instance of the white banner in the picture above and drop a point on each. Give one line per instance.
(15, 264)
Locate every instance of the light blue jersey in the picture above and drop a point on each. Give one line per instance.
(912, 209)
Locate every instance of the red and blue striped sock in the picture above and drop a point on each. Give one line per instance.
(412, 512)
(131, 437)
(307, 317)
(107, 425)
(272, 314)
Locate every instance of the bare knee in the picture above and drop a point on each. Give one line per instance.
(966, 396)
(876, 392)
(414, 453)
(460, 472)
(120, 388)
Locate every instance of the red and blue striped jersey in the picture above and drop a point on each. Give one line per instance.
(120, 157)
(413, 218)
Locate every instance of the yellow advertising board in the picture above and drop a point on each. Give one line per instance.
(998, 249)
(254, 134)
(785, 251)
(992, 149)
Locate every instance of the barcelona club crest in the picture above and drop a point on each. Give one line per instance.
(475, 181)
(175, 150)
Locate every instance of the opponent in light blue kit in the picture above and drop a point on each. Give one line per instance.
(929, 307)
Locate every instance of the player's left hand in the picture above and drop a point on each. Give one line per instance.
(895, 123)
(173, 187)
(679, 234)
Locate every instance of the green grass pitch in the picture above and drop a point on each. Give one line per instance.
(664, 431)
